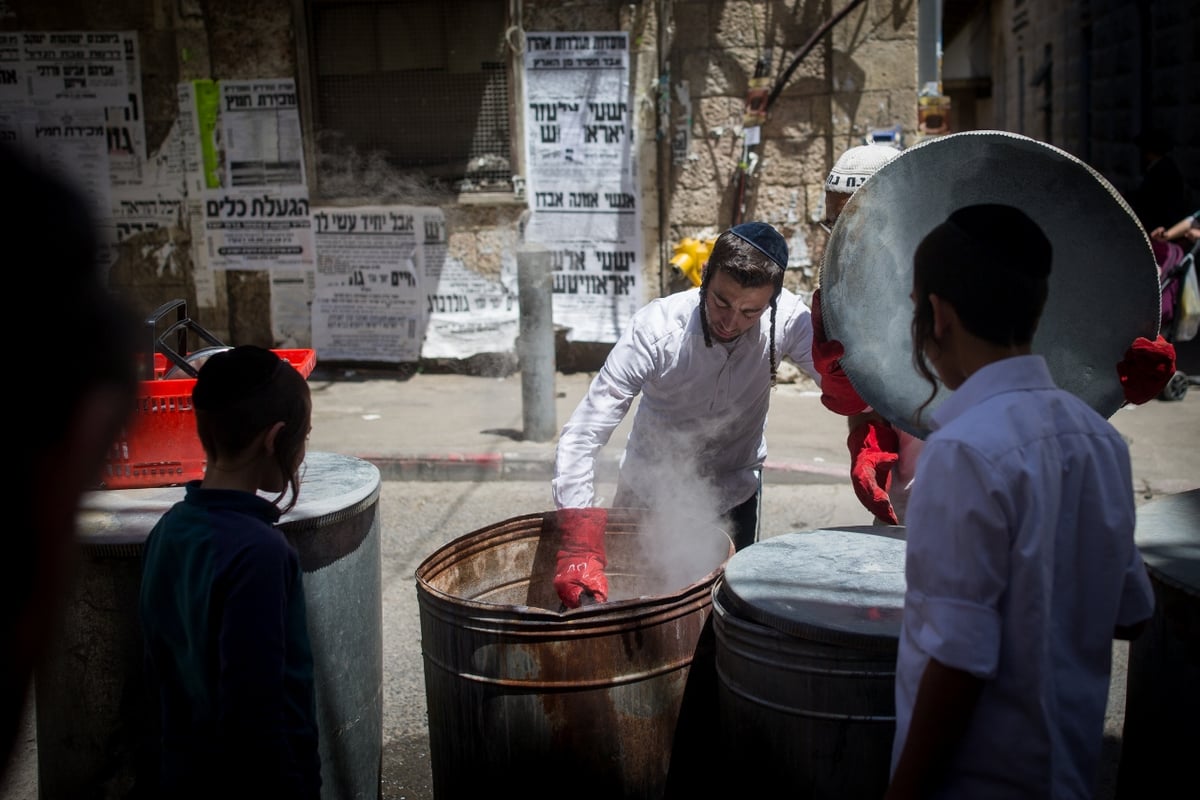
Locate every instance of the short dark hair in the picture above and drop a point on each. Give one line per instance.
(992, 263)
(242, 391)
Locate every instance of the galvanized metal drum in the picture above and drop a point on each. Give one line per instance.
(1162, 687)
(96, 724)
(596, 702)
(807, 627)
(1103, 285)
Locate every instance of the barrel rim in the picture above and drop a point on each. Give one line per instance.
(733, 605)
(621, 520)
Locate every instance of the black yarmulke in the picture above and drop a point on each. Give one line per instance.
(234, 374)
(765, 238)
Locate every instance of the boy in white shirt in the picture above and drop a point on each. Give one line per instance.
(1020, 565)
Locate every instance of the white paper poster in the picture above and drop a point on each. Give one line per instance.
(260, 133)
(124, 123)
(368, 303)
(243, 156)
(74, 99)
(467, 313)
(582, 178)
(157, 202)
(291, 307)
(82, 72)
(12, 88)
(261, 228)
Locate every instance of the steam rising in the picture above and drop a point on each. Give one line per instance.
(678, 544)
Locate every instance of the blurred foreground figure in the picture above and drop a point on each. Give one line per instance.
(71, 372)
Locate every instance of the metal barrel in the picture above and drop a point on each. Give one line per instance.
(96, 723)
(528, 700)
(807, 628)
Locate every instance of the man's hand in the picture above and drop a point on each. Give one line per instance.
(1146, 369)
(874, 451)
(837, 393)
(581, 559)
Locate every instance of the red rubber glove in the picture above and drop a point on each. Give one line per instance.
(1146, 369)
(581, 560)
(874, 450)
(837, 393)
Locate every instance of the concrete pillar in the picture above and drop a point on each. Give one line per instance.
(535, 342)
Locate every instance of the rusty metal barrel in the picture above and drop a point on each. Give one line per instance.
(807, 628)
(606, 701)
(96, 723)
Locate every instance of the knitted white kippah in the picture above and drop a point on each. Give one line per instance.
(856, 165)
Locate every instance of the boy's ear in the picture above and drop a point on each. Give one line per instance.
(944, 316)
(272, 433)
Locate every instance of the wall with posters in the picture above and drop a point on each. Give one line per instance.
(153, 209)
(185, 122)
(636, 125)
(192, 132)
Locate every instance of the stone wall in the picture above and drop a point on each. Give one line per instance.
(833, 89)
(860, 74)
(1105, 70)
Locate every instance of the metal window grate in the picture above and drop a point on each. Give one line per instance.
(418, 85)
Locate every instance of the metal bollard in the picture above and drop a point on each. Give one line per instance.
(535, 343)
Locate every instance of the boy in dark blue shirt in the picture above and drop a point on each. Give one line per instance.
(222, 602)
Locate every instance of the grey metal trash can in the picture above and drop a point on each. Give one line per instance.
(807, 628)
(96, 724)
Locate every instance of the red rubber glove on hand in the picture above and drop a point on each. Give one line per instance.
(837, 394)
(874, 450)
(1146, 369)
(581, 560)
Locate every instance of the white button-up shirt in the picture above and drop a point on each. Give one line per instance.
(1020, 562)
(703, 410)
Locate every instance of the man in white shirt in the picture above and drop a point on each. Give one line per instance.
(703, 362)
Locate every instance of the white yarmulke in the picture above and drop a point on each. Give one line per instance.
(856, 165)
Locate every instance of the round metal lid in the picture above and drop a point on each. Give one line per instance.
(1168, 536)
(842, 586)
(331, 485)
(1103, 286)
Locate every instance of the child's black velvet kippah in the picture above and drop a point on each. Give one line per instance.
(234, 375)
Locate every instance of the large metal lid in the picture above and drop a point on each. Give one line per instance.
(841, 586)
(1103, 287)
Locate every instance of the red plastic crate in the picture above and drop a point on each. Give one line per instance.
(160, 446)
